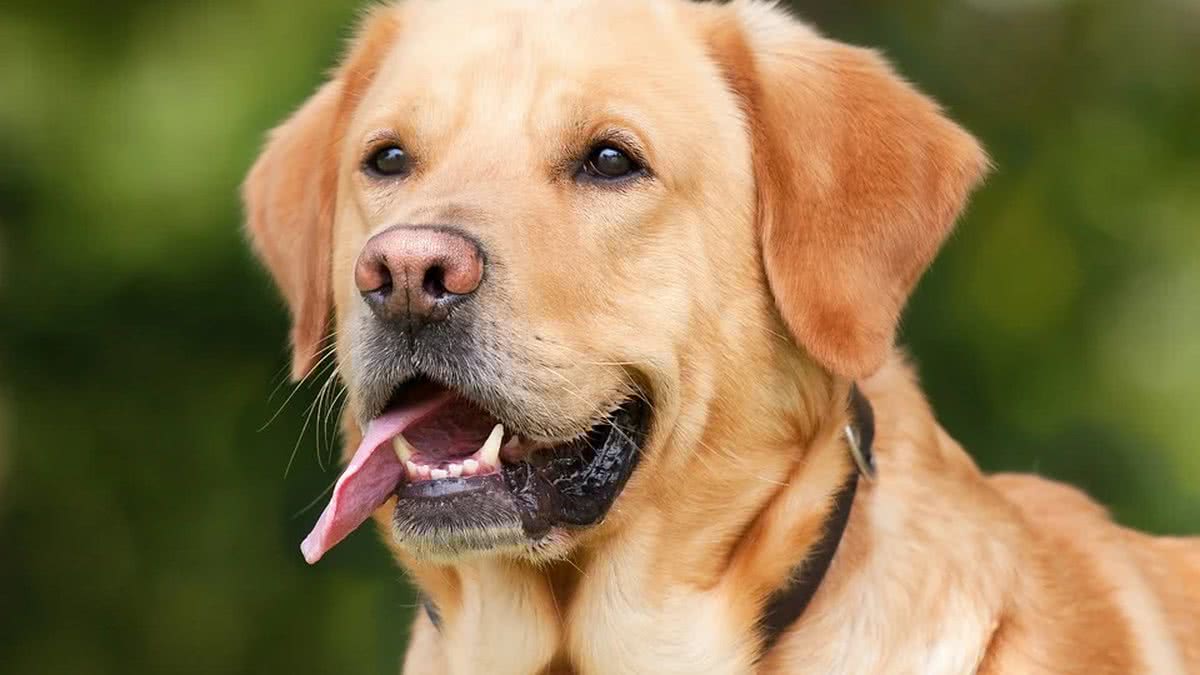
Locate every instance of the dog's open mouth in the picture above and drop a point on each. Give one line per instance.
(465, 482)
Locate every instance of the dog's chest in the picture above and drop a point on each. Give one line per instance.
(608, 621)
(521, 624)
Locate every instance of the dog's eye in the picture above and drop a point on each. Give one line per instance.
(607, 162)
(389, 161)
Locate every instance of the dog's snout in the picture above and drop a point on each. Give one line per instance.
(411, 272)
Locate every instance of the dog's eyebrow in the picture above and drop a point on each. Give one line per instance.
(381, 136)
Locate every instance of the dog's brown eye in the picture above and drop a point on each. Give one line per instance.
(389, 161)
(608, 162)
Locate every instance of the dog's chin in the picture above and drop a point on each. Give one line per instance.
(482, 521)
(532, 504)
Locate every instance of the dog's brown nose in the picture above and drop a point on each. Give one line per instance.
(417, 272)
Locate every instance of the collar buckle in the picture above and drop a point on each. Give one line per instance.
(860, 433)
(864, 462)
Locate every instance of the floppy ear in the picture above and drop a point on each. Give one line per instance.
(860, 178)
(289, 195)
(291, 191)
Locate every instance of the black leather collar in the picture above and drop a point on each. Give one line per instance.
(788, 603)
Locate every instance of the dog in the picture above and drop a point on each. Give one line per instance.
(615, 287)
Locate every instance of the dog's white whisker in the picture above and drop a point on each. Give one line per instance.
(295, 389)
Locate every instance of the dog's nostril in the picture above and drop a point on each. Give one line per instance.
(377, 281)
(374, 279)
(434, 282)
(383, 291)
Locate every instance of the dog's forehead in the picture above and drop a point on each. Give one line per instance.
(538, 63)
(470, 28)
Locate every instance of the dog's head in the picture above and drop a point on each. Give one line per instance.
(562, 242)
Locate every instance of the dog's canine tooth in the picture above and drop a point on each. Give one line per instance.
(402, 448)
(438, 474)
(455, 470)
(490, 452)
(469, 467)
(412, 469)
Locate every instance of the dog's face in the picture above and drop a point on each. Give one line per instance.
(556, 236)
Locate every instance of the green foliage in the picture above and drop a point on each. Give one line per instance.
(146, 523)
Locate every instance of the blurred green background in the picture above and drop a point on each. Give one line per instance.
(146, 523)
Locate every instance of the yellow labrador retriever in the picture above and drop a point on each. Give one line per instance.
(615, 285)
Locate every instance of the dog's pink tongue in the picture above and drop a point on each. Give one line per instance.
(371, 477)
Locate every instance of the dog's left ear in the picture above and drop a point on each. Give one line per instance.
(291, 191)
(290, 194)
(860, 179)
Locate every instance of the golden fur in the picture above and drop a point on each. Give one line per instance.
(800, 188)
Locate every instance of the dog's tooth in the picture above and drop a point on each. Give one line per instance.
(412, 469)
(423, 471)
(402, 448)
(490, 452)
(455, 470)
(438, 474)
(469, 467)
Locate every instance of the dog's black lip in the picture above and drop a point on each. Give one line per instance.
(568, 488)
(560, 486)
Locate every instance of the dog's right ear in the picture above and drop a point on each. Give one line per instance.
(860, 178)
(291, 191)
